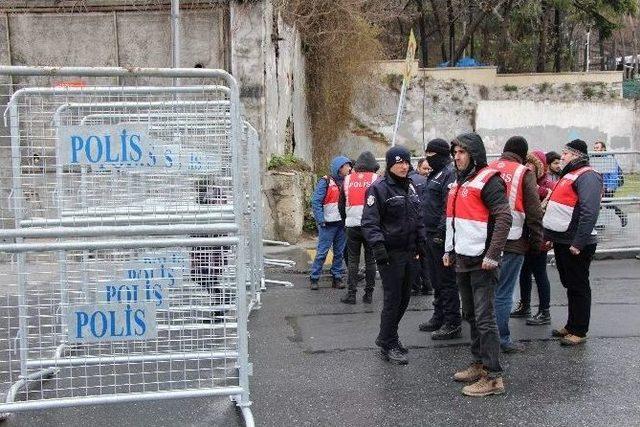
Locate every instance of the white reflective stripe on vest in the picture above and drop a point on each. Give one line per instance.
(517, 224)
(354, 216)
(331, 212)
(473, 231)
(557, 217)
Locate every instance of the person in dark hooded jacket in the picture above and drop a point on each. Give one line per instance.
(355, 187)
(445, 322)
(421, 282)
(478, 223)
(331, 234)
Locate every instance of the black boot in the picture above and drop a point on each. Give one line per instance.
(521, 311)
(394, 355)
(337, 283)
(402, 348)
(447, 332)
(314, 284)
(542, 318)
(349, 298)
(430, 326)
(367, 297)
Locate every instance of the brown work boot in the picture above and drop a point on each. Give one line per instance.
(485, 386)
(472, 373)
(559, 333)
(571, 340)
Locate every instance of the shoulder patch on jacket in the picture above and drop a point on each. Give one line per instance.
(371, 200)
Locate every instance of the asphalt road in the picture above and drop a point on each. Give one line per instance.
(315, 364)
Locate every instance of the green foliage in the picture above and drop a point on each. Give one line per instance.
(510, 88)
(287, 162)
(588, 92)
(309, 224)
(544, 87)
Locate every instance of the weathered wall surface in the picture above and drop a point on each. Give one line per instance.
(547, 114)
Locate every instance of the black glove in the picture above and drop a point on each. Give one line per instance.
(380, 254)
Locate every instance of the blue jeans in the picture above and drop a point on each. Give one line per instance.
(509, 275)
(331, 235)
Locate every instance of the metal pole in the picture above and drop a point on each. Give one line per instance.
(403, 93)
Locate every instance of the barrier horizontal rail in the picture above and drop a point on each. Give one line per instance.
(127, 219)
(127, 230)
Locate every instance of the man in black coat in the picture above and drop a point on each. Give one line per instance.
(393, 226)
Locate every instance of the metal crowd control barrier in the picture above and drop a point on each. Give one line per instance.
(108, 302)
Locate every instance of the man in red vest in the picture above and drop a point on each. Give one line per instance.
(525, 232)
(331, 233)
(569, 223)
(355, 188)
(478, 222)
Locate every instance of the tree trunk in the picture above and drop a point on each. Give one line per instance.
(452, 33)
(473, 26)
(557, 30)
(624, 54)
(541, 62)
(436, 17)
(603, 65)
(503, 49)
(424, 46)
(634, 46)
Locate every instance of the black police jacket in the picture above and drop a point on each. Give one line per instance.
(435, 200)
(393, 216)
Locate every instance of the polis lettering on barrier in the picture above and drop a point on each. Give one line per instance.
(112, 322)
(100, 149)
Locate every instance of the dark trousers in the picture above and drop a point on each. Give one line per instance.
(477, 292)
(574, 275)
(421, 281)
(356, 241)
(446, 301)
(535, 264)
(608, 205)
(396, 284)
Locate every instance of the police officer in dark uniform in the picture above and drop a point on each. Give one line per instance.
(446, 320)
(393, 225)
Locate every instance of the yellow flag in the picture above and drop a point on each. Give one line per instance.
(411, 54)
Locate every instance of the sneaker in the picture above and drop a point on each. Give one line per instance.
(485, 386)
(521, 311)
(314, 284)
(337, 283)
(394, 356)
(349, 298)
(430, 326)
(512, 348)
(447, 332)
(572, 340)
(542, 318)
(474, 372)
(367, 297)
(559, 333)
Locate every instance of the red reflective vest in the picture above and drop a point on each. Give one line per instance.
(563, 200)
(355, 187)
(467, 215)
(330, 203)
(513, 175)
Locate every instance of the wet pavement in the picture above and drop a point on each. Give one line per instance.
(315, 364)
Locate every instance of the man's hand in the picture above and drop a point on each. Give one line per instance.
(574, 250)
(447, 260)
(489, 264)
(547, 246)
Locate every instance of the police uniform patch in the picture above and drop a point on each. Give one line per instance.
(371, 200)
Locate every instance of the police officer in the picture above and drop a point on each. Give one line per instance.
(393, 226)
(446, 320)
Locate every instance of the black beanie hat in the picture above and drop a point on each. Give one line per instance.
(517, 145)
(438, 146)
(551, 156)
(397, 154)
(578, 146)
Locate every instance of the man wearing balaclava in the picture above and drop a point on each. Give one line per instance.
(445, 323)
(393, 226)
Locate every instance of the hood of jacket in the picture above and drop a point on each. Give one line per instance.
(366, 162)
(473, 144)
(537, 163)
(336, 164)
